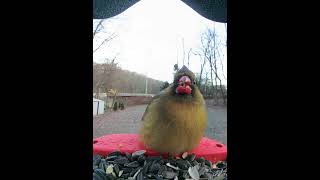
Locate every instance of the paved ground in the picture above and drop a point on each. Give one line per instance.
(128, 121)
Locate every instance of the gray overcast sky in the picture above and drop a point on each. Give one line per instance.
(149, 38)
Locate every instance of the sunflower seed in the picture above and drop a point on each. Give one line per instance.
(146, 167)
(195, 163)
(98, 177)
(162, 169)
(169, 175)
(154, 168)
(128, 155)
(141, 159)
(139, 176)
(120, 173)
(111, 158)
(100, 172)
(138, 171)
(193, 172)
(96, 159)
(115, 153)
(173, 167)
(121, 160)
(138, 153)
(133, 164)
(202, 170)
(134, 171)
(116, 169)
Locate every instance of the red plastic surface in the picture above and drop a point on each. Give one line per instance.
(210, 149)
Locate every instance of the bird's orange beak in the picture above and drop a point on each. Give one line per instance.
(184, 85)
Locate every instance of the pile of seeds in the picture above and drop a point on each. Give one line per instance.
(138, 166)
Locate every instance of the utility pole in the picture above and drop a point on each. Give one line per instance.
(146, 86)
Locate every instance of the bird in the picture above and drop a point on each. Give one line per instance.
(175, 120)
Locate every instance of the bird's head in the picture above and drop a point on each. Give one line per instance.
(184, 82)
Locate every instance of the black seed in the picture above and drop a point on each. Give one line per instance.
(146, 167)
(115, 153)
(170, 157)
(173, 162)
(127, 170)
(185, 175)
(96, 159)
(170, 169)
(128, 155)
(191, 157)
(182, 164)
(116, 169)
(111, 158)
(103, 164)
(188, 164)
(202, 170)
(121, 160)
(98, 177)
(100, 172)
(158, 178)
(133, 164)
(95, 167)
(208, 163)
(154, 167)
(194, 163)
(134, 171)
(220, 165)
(139, 176)
(161, 162)
(162, 169)
(125, 176)
(111, 177)
(154, 158)
(202, 164)
(210, 176)
(200, 160)
(141, 159)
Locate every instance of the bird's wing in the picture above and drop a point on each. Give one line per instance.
(155, 98)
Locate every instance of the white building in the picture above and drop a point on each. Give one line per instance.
(98, 107)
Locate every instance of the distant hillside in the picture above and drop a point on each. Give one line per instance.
(110, 76)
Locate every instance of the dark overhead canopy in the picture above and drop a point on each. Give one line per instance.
(215, 10)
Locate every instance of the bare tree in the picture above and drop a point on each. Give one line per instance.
(102, 75)
(189, 56)
(98, 30)
(210, 51)
(202, 65)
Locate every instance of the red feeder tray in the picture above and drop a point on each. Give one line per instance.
(210, 149)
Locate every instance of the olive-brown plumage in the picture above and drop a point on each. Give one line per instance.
(175, 120)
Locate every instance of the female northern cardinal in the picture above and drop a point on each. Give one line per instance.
(175, 120)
